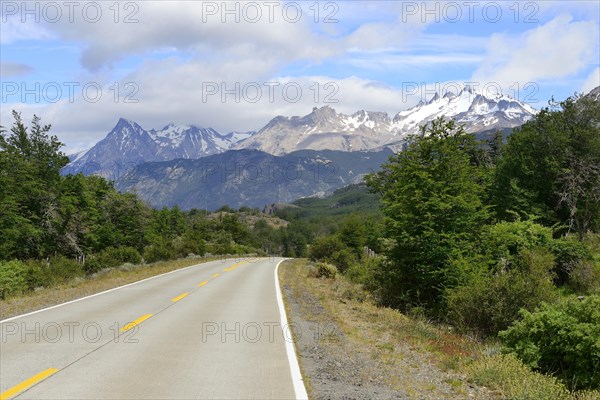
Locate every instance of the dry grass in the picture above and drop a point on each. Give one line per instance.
(79, 287)
(430, 357)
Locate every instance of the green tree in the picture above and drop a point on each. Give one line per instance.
(551, 167)
(431, 196)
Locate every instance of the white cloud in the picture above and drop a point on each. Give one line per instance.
(592, 81)
(558, 49)
(12, 30)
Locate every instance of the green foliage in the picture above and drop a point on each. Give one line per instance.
(570, 255)
(585, 277)
(112, 257)
(13, 278)
(159, 252)
(551, 167)
(56, 271)
(324, 246)
(490, 302)
(502, 243)
(333, 250)
(361, 272)
(561, 339)
(432, 202)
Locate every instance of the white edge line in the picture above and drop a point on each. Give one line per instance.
(299, 388)
(99, 293)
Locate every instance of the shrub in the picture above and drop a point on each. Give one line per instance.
(362, 272)
(13, 278)
(342, 259)
(562, 339)
(332, 250)
(569, 253)
(57, 270)
(112, 257)
(490, 302)
(188, 245)
(158, 252)
(503, 242)
(325, 270)
(324, 246)
(585, 277)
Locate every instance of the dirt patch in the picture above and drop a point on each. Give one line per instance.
(352, 349)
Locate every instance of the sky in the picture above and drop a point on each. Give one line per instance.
(233, 66)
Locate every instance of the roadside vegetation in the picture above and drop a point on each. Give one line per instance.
(499, 240)
(492, 247)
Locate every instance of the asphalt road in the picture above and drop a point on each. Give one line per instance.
(214, 330)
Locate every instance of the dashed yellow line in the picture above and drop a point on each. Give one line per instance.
(26, 384)
(234, 266)
(202, 283)
(214, 275)
(136, 322)
(181, 296)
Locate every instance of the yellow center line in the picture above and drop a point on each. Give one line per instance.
(181, 296)
(202, 283)
(136, 322)
(234, 266)
(214, 275)
(27, 383)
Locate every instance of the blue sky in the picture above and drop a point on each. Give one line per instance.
(194, 63)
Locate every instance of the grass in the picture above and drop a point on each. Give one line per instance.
(81, 287)
(390, 339)
(402, 344)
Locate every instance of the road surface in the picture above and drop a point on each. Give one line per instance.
(213, 330)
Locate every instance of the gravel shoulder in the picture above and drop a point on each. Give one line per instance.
(348, 348)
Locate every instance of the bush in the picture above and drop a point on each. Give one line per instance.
(585, 277)
(342, 259)
(158, 252)
(112, 257)
(58, 270)
(324, 246)
(13, 278)
(503, 242)
(490, 302)
(362, 272)
(562, 339)
(569, 253)
(332, 250)
(188, 245)
(325, 270)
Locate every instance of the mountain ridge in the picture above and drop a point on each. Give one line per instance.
(128, 144)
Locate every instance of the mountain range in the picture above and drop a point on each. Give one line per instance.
(128, 144)
(324, 128)
(248, 177)
(289, 158)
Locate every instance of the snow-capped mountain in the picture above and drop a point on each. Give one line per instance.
(324, 128)
(128, 145)
(478, 111)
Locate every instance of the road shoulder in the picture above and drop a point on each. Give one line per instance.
(350, 349)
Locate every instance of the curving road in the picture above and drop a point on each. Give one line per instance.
(213, 330)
